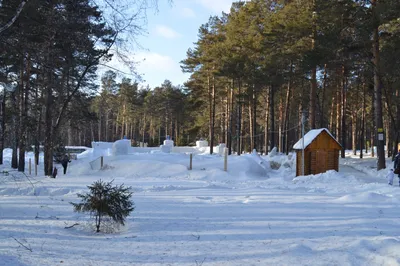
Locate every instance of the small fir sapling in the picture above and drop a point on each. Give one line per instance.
(106, 201)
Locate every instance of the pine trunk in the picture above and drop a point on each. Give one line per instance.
(372, 129)
(362, 135)
(230, 118)
(254, 109)
(3, 125)
(14, 134)
(239, 119)
(23, 115)
(212, 124)
(287, 113)
(332, 126)
(272, 116)
(322, 123)
(313, 91)
(354, 131)
(381, 164)
(99, 126)
(48, 141)
(281, 122)
(338, 111)
(396, 149)
(266, 123)
(343, 112)
(251, 126)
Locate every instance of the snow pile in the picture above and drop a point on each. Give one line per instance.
(367, 197)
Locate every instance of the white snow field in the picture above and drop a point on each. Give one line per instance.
(253, 214)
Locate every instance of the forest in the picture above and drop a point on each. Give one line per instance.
(257, 75)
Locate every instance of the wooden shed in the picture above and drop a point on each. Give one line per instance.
(321, 152)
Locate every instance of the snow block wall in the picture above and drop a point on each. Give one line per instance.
(221, 149)
(101, 148)
(201, 143)
(121, 147)
(167, 147)
(168, 142)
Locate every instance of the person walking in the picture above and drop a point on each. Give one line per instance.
(64, 162)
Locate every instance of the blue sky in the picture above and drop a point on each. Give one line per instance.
(170, 32)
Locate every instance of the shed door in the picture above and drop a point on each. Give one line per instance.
(321, 162)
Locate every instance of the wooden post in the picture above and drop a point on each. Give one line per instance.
(225, 159)
(191, 159)
(30, 167)
(101, 162)
(35, 169)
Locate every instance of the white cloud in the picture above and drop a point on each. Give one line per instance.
(187, 12)
(156, 68)
(154, 61)
(153, 68)
(166, 32)
(216, 5)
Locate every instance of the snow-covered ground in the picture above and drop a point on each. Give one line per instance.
(250, 215)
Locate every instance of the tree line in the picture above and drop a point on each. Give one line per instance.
(49, 54)
(255, 72)
(260, 68)
(145, 115)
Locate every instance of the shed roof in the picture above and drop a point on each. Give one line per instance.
(310, 137)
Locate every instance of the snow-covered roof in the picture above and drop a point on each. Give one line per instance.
(309, 137)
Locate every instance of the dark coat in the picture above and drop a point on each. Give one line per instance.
(65, 160)
(396, 161)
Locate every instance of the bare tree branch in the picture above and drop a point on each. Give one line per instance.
(14, 18)
(119, 71)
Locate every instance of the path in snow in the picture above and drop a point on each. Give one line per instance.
(361, 176)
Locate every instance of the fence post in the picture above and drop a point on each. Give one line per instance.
(191, 159)
(101, 162)
(225, 159)
(30, 167)
(35, 169)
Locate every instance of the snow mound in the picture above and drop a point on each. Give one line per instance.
(365, 197)
(330, 177)
(300, 250)
(142, 168)
(36, 191)
(257, 166)
(168, 188)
